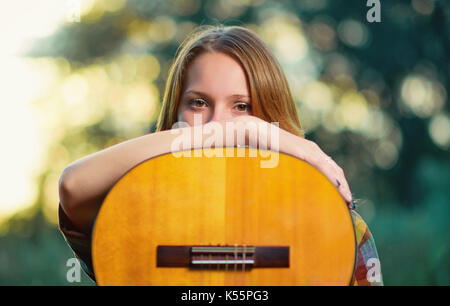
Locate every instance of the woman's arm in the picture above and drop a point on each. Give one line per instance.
(85, 183)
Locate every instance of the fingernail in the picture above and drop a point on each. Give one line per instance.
(352, 205)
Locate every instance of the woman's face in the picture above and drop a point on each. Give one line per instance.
(216, 88)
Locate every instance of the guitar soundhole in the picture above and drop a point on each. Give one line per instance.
(228, 258)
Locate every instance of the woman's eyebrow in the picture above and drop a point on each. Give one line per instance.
(234, 96)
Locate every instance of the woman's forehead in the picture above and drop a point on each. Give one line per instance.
(216, 72)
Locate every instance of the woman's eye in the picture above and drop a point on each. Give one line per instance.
(197, 103)
(242, 107)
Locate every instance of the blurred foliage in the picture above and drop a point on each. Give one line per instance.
(35, 254)
(372, 95)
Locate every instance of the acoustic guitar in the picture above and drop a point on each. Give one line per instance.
(215, 221)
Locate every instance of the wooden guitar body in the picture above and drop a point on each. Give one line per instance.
(223, 221)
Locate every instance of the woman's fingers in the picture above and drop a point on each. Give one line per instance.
(341, 182)
(336, 175)
(344, 189)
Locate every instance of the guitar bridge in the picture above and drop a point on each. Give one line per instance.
(223, 257)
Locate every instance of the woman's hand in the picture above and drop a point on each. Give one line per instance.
(301, 148)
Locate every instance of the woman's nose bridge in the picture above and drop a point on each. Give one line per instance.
(219, 112)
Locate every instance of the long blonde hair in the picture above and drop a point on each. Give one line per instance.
(271, 97)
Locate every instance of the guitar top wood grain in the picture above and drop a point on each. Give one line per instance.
(222, 201)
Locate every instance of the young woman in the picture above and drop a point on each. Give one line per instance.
(221, 75)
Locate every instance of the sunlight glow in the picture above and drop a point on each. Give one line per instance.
(21, 154)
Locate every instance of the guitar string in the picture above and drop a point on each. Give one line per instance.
(243, 258)
(235, 257)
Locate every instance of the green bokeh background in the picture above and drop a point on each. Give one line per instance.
(401, 175)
